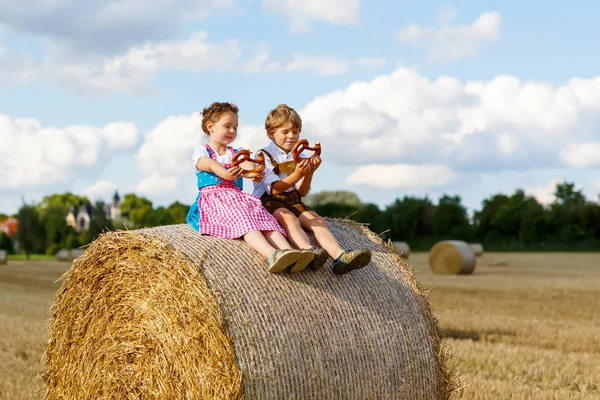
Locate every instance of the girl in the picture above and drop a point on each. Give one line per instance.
(222, 209)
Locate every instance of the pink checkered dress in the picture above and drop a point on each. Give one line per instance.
(228, 212)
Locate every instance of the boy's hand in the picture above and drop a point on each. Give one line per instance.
(315, 162)
(304, 167)
(234, 173)
(258, 178)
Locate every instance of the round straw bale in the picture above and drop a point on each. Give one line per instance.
(477, 249)
(452, 257)
(63, 255)
(3, 257)
(166, 313)
(403, 248)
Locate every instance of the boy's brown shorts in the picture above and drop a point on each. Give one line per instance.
(289, 200)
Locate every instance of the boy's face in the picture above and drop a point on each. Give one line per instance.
(285, 137)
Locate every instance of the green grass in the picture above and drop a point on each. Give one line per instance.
(33, 257)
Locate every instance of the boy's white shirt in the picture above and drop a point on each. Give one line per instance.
(270, 176)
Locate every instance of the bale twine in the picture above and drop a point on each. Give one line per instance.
(452, 257)
(63, 255)
(403, 248)
(165, 313)
(3, 257)
(477, 249)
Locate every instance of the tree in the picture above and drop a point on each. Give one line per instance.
(99, 223)
(30, 232)
(178, 212)
(409, 218)
(158, 217)
(55, 227)
(336, 196)
(137, 208)
(6, 243)
(450, 218)
(484, 227)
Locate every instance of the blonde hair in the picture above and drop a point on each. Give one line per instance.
(281, 115)
(215, 111)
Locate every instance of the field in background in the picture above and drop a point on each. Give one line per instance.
(524, 326)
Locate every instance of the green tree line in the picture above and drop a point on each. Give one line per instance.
(504, 222)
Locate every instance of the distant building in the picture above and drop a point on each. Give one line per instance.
(115, 206)
(9, 226)
(80, 218)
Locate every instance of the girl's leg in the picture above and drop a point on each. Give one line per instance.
(292, 226)
(277, 240)
(311, 221)
(258, 242)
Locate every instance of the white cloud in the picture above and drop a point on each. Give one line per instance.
(451, 42)
(401, 176)
(370, 62)
(133, 70)
(15, 68)
(40, 155)
(101, 190)
(545, 193)
(472, 126)
(581, 155)
(301, 13)
(321, 65)
(100, 26)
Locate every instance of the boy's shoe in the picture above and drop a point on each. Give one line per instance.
(306, 258)
(281, 259)
(321, 256)
(351, 260)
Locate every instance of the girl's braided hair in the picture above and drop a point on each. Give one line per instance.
(214, 112)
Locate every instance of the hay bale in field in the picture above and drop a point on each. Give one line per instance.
(166, 313)
(63, 255)
(452, 257)
(403, 248)
(3, 256)
(477, 249)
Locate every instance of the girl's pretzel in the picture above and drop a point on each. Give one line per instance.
(244, 155)
(302, 145)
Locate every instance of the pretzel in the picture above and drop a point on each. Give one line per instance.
(302, 145)
(243, 156)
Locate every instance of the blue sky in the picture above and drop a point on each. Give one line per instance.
(407, 97)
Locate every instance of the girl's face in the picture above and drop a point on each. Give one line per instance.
(224, 131)
(285, 137)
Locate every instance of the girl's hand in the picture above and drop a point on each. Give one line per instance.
(234, 173)
(304, 167)
(258, 178)
(315, 162)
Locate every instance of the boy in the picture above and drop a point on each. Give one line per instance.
(285, 184)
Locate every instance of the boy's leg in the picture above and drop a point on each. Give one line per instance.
(293, 228)
(309, 220)
(344, 261)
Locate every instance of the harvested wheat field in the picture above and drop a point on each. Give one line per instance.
(523, 326)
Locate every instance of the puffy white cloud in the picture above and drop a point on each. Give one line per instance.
(470, 126)
(401, 176)
(99, 26)
(33, 155)
(301, 13)
(100, 190)
(133, 70)
(451, 42)
(544, 193)
(581, 155)
(321, 65)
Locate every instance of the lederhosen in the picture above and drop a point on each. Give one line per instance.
(291, 200)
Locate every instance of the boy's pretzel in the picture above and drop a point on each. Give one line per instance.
(302, 145)
(243, 156)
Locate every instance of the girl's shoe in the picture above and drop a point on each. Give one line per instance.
(281, 259)
(321, 256)
(351, 260)
(307, 257)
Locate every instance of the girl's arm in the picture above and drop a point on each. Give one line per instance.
(210, 165)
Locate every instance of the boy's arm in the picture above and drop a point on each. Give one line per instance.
(302, 169)
(304, 186)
